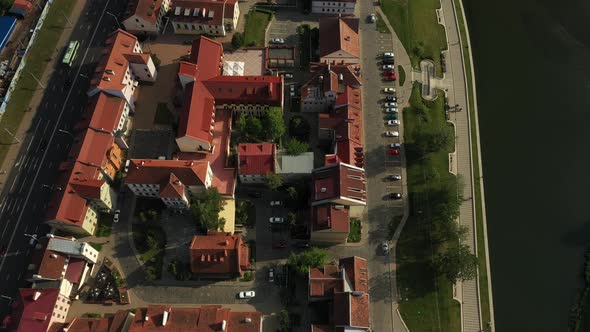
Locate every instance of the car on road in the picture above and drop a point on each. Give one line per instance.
(388, 90)
(391, 98)
(247, 294)
(395, 177)
(279, 245)
(393, 152)
(390, 109)
(388, 55)
(392, 122)
(287, 75)
(302, 245)
(392, 116)
(385, 67)
(372, 18)
(388, 61)
(395, 145)
(255, 194)
(116, 216)
(271, 274)
(392, 133)
(276, 220)
(277, 41)
(390, 105)
(385, 247)
(395, 196)
(276, 203)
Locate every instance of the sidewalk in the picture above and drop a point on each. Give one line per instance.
(15, 150)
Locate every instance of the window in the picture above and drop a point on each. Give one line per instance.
(186, 26)
(193, 27)
(177, 25)
(142, 26)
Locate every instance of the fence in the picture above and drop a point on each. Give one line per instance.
(23, 62)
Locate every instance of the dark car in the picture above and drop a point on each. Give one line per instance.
(391, 98)
(388, 61)
(279, 245)
(43, 145)
(395, 196)
(302, 245)
(393, 152)
(255, 194)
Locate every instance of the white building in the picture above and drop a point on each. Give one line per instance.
(145, 16)
(211, 17)
(341, 7)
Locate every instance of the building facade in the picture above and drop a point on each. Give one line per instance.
(145, 16)
(342, 7)
(210, 17)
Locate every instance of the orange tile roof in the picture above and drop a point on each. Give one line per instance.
(328, 217)
(221, 9)
(338, 181)
(351, 309)
(102, 113)
(257, 158)
(172, 188)
(339, 34)
(357, 272)
(112, 66)
(219, 254)
(155, 171)
(197, 124)
(30, 314)
(206, 318)
(148, 10)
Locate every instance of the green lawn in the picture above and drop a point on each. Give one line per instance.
(481, 245)
(427, 303)
(39, 56)
(151, 254)
(355, 230)
(416, 25)
(401, 73)
(381, 26)
(97, 246)
(256, 22)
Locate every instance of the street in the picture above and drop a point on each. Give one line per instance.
(29, 184)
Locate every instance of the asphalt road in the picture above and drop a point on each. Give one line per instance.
(29, 184)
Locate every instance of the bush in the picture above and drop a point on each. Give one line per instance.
(247, 276)
(355, 230)
(92, 315)
(237, 41)
(295, 147)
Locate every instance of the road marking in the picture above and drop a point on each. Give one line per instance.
(31, 141)
(20, 216)
(46, 126)
(14, 182)
(7, 276)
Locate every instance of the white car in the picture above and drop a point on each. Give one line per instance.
(395, 177)
(276, 220)
(392, 133)
(388, 90)
(391, 110)
(288, 76)
(247, 295)
(385, 247)
(116, 216)
(392, 122)
(277, 41)
(390, 105)
(388, 55)
(276, 203)
(271, 274)
(372, 18)
(388, 67)
(395, 146)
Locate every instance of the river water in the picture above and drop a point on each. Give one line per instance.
(533, 85)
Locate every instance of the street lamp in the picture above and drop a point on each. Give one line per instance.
(65, 132)
(115, 17)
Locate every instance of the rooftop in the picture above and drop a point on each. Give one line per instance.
(339, 182)
(331, 217)
(256, 158)
(338, 34)
(209, 12)
(148, 10)
(219, 254)
(33, 309)
(155, 171)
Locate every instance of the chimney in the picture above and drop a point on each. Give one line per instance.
(223, 325)
(36, 296)
(347, 38)
(247, 320)
(164, 318)
(108, 79)
(110, 72)
(53, 256)
(321, 78)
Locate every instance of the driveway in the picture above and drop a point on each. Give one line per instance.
(285, 23)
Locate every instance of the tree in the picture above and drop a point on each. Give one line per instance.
(426, 142)
(253, 127)
(313, 257)
(237, 41)
(241, 124)
(274, 181)
(291, 218)
(299, 128)
(295, 147)
(292, 192)
(6, 4)
(285, 321)
(206, 210)
(274, 124)
(457, 263)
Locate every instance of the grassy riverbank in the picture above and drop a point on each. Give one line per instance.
(427, 300)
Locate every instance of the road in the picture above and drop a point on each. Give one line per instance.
(29, 184)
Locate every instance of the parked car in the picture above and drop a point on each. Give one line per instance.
(302, 245)
(271, 274)
(277, 220)
(385, 67)
(392, 116)
(390, 109)
(276, 203)
(388, 72)
(247, 294)
(372, 18)
(388, 61)
(385, 247)
(390, 78)
(279, 245)
(388, 55)
(391, 98)
(395, 145)
(277, 41)
(393, 152)
(116, 216)
(395, 196)
(390, 105)
(392, 122)
(287, 75)
(392, 133)
(388, 90)
(395, 177)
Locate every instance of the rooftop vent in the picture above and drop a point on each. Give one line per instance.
(36, 296)
(110, 72)
(323, 190)
(164, 318)
(223, 325)
(347, 38)
(53, 256)
(248, 320)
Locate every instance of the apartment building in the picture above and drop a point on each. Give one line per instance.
(145, 16)
(213, 17)
(219, 255)
(336, 7)
(339, 40)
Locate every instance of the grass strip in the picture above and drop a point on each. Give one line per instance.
(380, 24)
(479, 220)
(256, 23)
(401, 73)
(40, 54)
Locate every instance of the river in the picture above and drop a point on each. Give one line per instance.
(533, 86)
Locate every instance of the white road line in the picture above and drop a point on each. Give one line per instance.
(50, 164)
(65, 101)
(31, 141)
(14, 182)
(46, 126)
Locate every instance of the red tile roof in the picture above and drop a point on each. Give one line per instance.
(106, 324)
(339, 35)
(50, 264)
(102, 113)
(154, 171)
(75, 268)
(351, 309)
(22, 5)
(217, 7)
(265, 90)
(356, 272)
(197, 124)
(325, 281)
(219, 254)
(172, 188)
(33, 309)
(203, 319)
(148, 10)
(207, 54)
(118, 44)
(326, 78)
(338, 182)
(256, 158)
(330, 217)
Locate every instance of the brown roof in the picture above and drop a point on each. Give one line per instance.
(155, 171)
(52, 264)
(207, 318)
(351, 309)
(357, 272)
(148, 10)
(339, 34)
(326, 78)
(330, 217)
(106, 324)
(325, 281)
(219, 254)
(257, 158)
(339, 181)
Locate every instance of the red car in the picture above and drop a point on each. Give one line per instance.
(393, 152)
(279, 245)
(390, 78)
(388, 72)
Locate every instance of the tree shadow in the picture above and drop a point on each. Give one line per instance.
(380, 287)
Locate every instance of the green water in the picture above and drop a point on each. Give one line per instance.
(533, 83)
